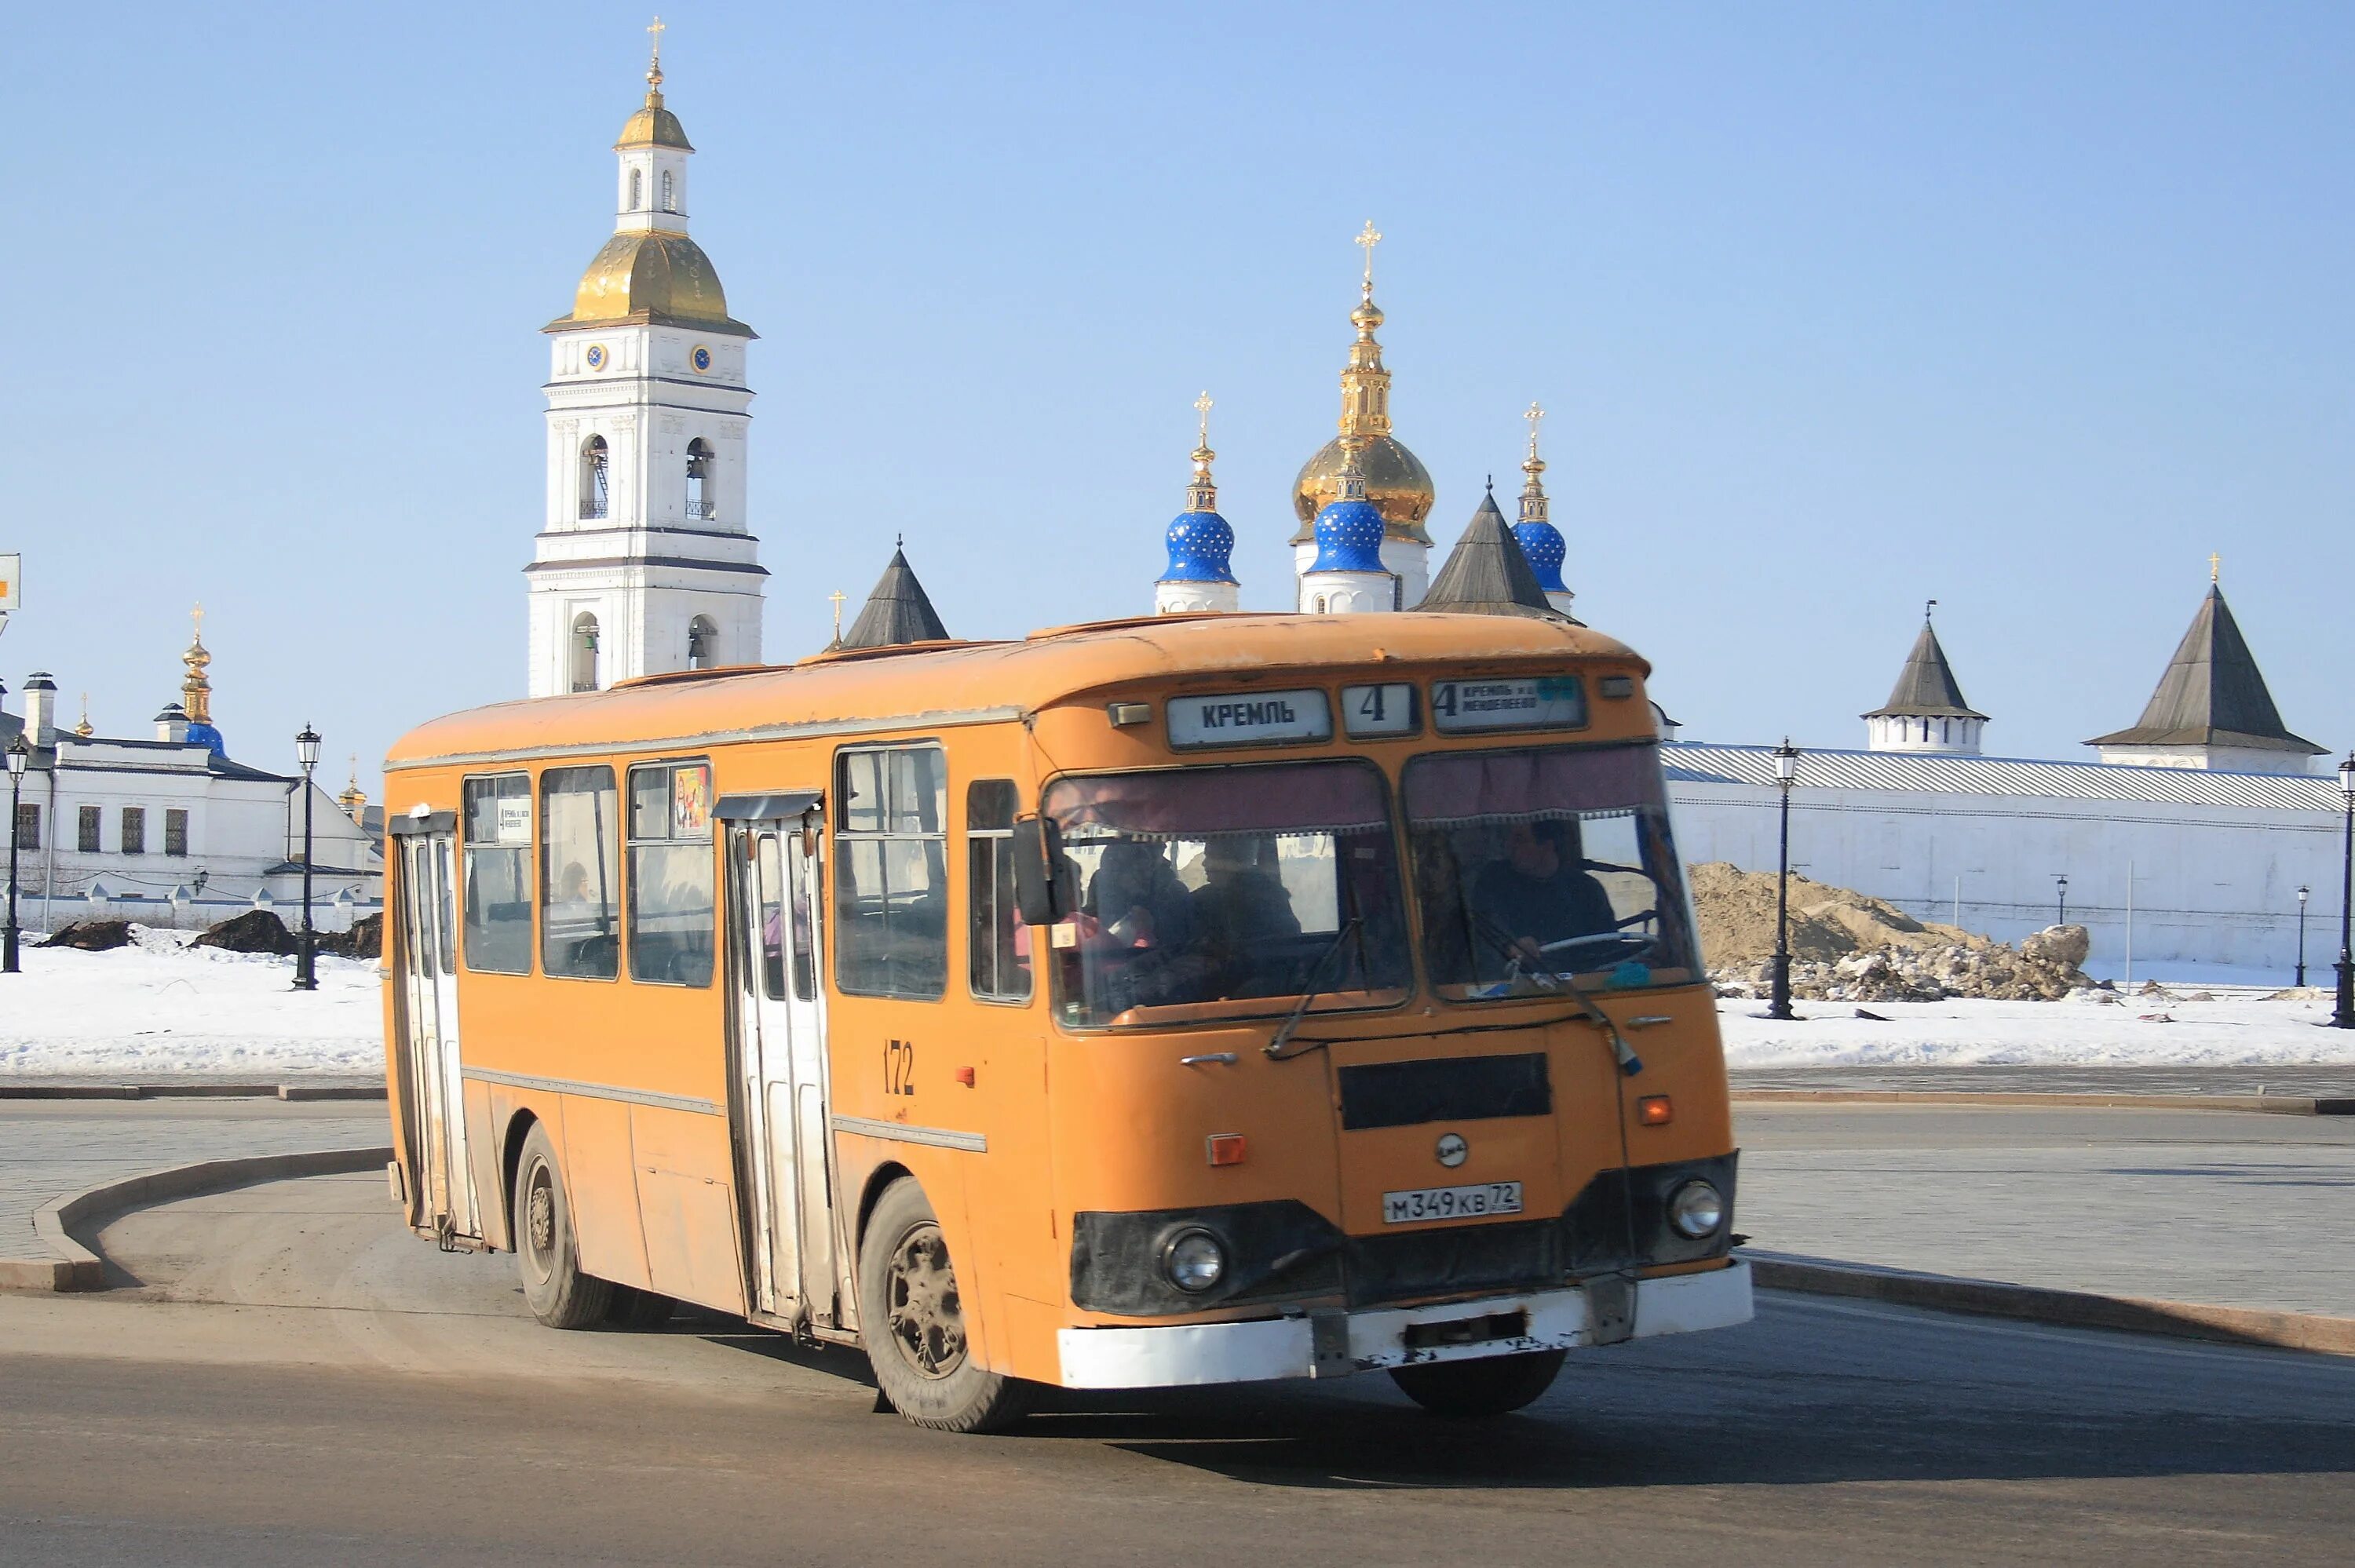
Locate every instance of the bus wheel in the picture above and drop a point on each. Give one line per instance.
(1489, 1386)
(912, 1322)
(547, 1250)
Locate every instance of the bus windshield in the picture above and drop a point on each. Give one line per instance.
(1542, 862)
(1223, 893)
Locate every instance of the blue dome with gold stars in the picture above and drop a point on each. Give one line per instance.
(1201, 549)
(1542, 544)
(1349, 538)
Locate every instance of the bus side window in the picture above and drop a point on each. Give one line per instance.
(999, 968)
(497, 824)
(579, 877)
(892, 916)
(671, 904)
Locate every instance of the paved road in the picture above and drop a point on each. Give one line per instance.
(51, 1148)
(322, 1387)
(2234, 1209)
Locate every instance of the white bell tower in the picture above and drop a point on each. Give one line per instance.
(644, 563)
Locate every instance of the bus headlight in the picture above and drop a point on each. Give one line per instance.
(1194, 1260)
(1696, 1210)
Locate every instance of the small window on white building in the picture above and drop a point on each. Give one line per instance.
(584, 652)
(28, 826)
(176, 831)
(702, 643)
(670, 191)
(700, 457)
(595, 464)
(637, 189)
(134, 830)
(86, 825)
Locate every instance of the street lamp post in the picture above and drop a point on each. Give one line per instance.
(306, 976)
(20, 756)
(1787, 770)
(2301, 934)
(2062, 919)
(2343, 1015)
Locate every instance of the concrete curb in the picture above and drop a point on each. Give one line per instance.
(2065, 1308)
(192, 1091)
(2286, 1105)
(78, 1268)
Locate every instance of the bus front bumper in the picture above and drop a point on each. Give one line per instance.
(1336, 1343)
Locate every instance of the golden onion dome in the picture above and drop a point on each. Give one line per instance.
(652, 126)
(1396, 482)
(651, 277)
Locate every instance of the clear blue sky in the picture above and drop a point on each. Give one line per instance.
(1836, 308)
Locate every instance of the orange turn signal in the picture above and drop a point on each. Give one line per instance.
(1656, 1110)
(1226, 1148)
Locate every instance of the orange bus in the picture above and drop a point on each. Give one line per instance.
(1189, 1000)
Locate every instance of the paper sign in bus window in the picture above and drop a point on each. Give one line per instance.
(690, 803)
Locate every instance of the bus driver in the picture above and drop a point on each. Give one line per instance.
(1540, 893)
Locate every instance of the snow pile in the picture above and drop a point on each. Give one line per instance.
(2154, 1028)
(160, 1009)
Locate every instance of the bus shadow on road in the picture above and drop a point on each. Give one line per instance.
(1797, 1399)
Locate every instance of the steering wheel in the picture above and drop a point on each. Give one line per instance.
(1634, 940)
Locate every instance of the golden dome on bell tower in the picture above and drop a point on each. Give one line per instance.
(1396, 481)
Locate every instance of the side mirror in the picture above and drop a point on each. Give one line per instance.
(1043, 884)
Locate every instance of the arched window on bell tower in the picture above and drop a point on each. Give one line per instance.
(595, 464)
(669, 191)
(584, 652)
(637, 189)
(698, 479)
(702, 643)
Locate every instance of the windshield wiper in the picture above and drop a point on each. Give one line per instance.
(1282, 1036)
(1629, 1062)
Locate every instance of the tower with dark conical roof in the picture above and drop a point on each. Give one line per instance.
(1487, 574)
(1926, 711)
(2211, 708)
(898, 611)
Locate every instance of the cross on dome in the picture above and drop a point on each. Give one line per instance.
(653, 66)
(1368, 238)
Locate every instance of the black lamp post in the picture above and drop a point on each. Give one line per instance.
(2301, 934)
(2343, 1015)
(20, 756)
(2062, 919)
(306, 977)
(1787, 770)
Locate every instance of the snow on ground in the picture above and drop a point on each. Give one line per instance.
(2141, 1030)
(160, 1010)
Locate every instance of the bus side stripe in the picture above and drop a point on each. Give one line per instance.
(900, 1132)
(594, 1091)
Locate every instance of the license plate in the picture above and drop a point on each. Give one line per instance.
(1475, 1202)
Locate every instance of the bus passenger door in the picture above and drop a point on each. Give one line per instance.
(434, 1094)
(781, 1053)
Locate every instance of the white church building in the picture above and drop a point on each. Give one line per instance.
(167, 830)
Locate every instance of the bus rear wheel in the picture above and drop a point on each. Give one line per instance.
(547, 1251)
(1492, 1386)
(913, 1320)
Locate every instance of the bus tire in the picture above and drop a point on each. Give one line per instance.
(547, 1251)
(1492, 1386)
(635, 1309)
(912, 1322)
